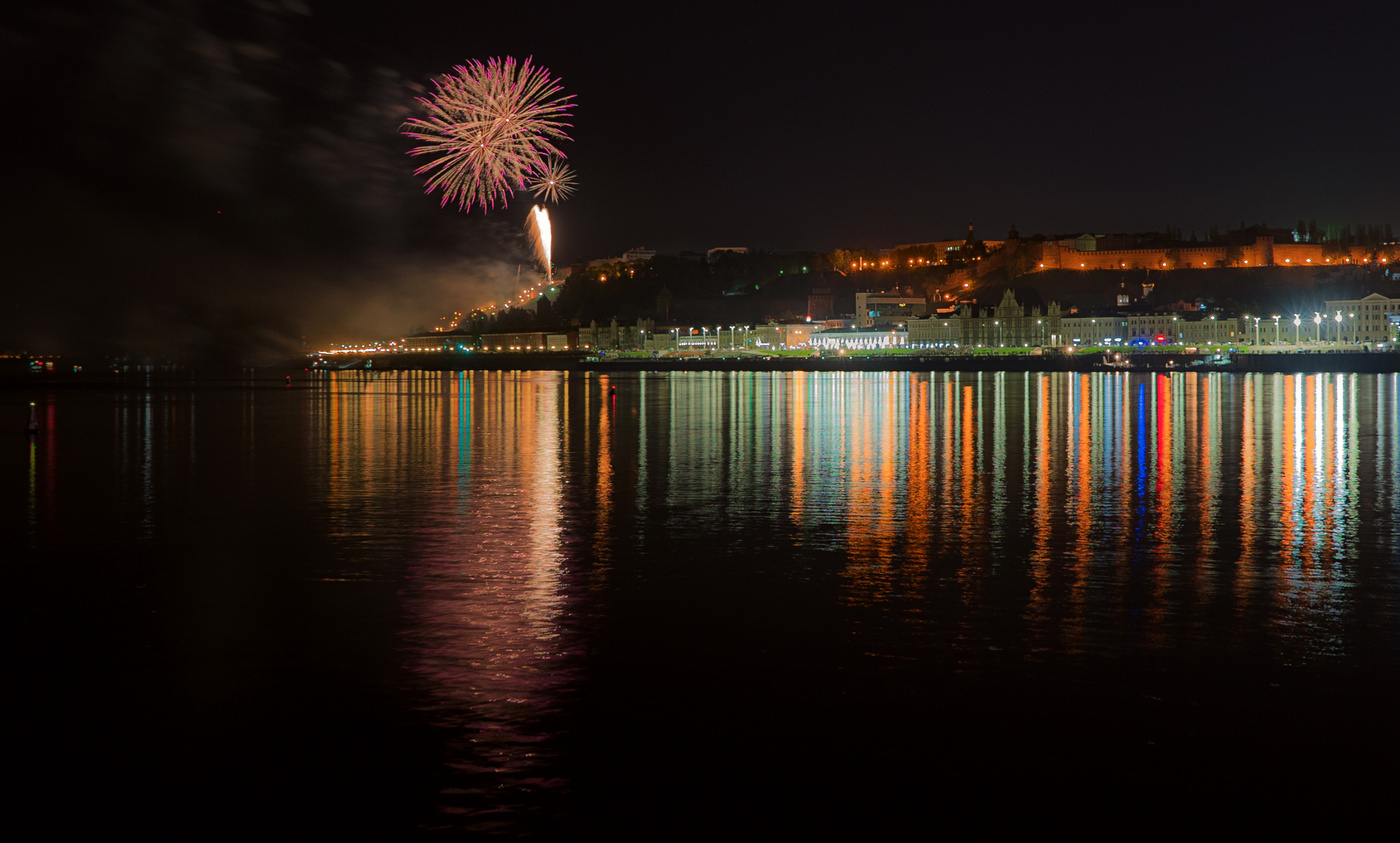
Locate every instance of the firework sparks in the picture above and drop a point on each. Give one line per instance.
(555, 183)
(542, 235)
(490, 129)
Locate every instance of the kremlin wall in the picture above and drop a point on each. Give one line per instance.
(1264, 251)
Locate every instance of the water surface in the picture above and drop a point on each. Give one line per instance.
(528, 602)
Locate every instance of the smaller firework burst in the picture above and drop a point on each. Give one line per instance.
(555, 183)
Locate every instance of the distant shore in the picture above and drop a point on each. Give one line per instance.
(298, 371)
(1301, 361)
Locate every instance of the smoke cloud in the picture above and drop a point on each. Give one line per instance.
(203, 182)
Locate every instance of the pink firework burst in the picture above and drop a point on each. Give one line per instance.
(555, 183)
(490, 130)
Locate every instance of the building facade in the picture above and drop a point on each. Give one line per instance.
(1371, 319)
(883, 310)
(615, 337)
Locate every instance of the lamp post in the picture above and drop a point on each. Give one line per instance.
(1351, 317)
(1339, 328)
(1317, 320)
(1256, 330)
(998, 324)
(1296, 323)
(1276, 329)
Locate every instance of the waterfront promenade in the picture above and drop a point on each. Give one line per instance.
(1330, 360)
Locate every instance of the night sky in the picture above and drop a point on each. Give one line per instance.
(197, 174)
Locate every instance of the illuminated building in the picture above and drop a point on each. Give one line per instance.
(594, 337)
(878, 310)
(1368, 320)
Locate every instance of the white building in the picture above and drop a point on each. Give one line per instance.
(859, 340)
(1369, 320)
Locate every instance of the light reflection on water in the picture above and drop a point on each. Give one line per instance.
(479, 457)
(1111, 510)
(539, 535)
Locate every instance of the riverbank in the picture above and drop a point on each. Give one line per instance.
(297, 371)
(1138, 361)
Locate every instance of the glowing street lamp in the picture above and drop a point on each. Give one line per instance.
(1317, 320)
(1339, 327)
(1296, 322)
(1275, 329)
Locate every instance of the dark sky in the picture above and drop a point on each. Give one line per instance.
(230, 172)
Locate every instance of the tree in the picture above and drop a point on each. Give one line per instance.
(1233, 253)
(1172, 258)
(1019, 261)
(840, 259)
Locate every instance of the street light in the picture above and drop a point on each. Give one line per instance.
(1339, 328)
(1275, 329)
(1296, 322)
(1317, 320)
(1256, 330)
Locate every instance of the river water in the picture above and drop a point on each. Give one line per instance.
(529, 602)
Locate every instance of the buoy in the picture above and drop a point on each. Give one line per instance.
(33, 419)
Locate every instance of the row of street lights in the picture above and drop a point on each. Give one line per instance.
(705, 336)
(1318, 320)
